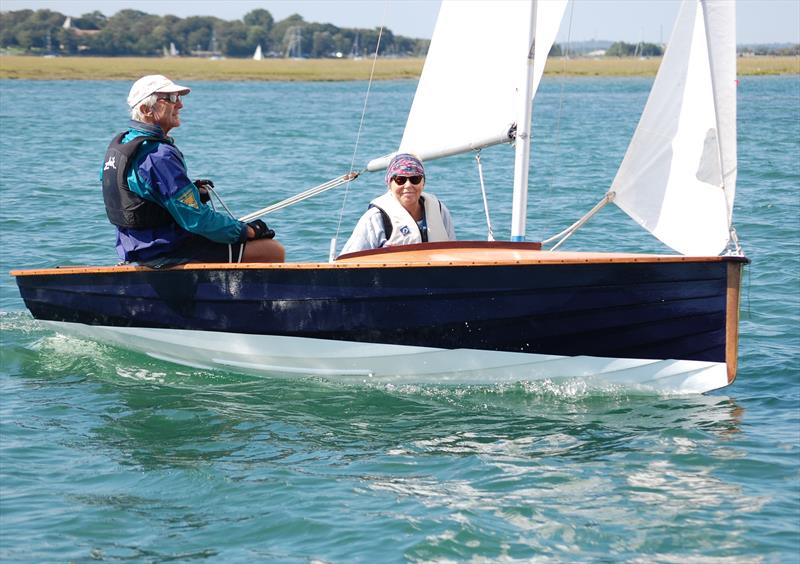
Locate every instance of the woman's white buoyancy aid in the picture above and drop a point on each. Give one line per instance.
(405, 230)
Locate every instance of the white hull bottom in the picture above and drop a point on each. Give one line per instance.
(350, 362)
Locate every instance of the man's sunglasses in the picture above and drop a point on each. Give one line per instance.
(171, 98)
(402, 179)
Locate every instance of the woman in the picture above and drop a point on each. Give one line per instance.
(402, 216)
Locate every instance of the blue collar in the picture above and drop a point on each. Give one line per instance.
(150, 128)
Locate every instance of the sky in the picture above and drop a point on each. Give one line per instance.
(758, 21)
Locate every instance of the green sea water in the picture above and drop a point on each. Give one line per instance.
(113, 456)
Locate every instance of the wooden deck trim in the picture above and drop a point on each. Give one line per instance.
(733, 298)
(449, 245)
(463, 254)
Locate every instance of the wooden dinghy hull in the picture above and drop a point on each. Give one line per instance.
(441, 313)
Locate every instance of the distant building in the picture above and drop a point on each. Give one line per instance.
(68, 25)
(85, 33)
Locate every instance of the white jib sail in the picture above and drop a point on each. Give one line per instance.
(671, 179)
(466, 97)
(257, 56)
(721, 33)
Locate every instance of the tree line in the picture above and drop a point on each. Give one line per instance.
(136, 33)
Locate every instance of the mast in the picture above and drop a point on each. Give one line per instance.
(523, 144)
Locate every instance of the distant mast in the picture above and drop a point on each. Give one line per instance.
(213, 49)
(48, 45)
(294, 47)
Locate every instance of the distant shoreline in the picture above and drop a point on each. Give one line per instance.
(130, 68)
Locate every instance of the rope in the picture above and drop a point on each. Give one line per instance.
(489, 229)
(358, 134)
(564, 235)
(214, 192)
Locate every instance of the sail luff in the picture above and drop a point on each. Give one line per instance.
(523, 143)
(720, 17)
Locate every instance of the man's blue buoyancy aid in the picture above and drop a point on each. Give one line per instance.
(123, 207)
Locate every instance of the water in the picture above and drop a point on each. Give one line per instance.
(110, 455)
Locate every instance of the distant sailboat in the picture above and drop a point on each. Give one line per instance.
(172, 51)
(294, 42)
(257, 56)
(355, 53)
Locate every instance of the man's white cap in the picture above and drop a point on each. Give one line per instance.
(151, 84)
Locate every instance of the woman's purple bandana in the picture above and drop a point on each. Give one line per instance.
(404, 164)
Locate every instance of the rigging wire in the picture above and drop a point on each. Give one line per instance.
(564, 58)
(489, 228)
(358, 134)
(609, 196)
(567, 233)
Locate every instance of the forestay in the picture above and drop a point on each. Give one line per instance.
(678, 177)
(474, 72)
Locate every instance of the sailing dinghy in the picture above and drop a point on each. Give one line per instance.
(480, 312)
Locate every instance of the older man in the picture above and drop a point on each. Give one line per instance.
(161, 216)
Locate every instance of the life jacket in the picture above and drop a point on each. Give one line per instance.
(401, 229)
(123, 207)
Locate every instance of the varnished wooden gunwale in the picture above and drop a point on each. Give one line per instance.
(459, 254)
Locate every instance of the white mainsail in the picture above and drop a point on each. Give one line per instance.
(257, 56)
(474, 72)
(678, 177)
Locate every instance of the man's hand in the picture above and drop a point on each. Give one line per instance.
(258, 230)
(203, 184)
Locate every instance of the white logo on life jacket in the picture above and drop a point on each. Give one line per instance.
(111, 163)
(405, 230)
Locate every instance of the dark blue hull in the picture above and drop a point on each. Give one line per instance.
(649, 310)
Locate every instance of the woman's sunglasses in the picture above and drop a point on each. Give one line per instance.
(402, 179)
